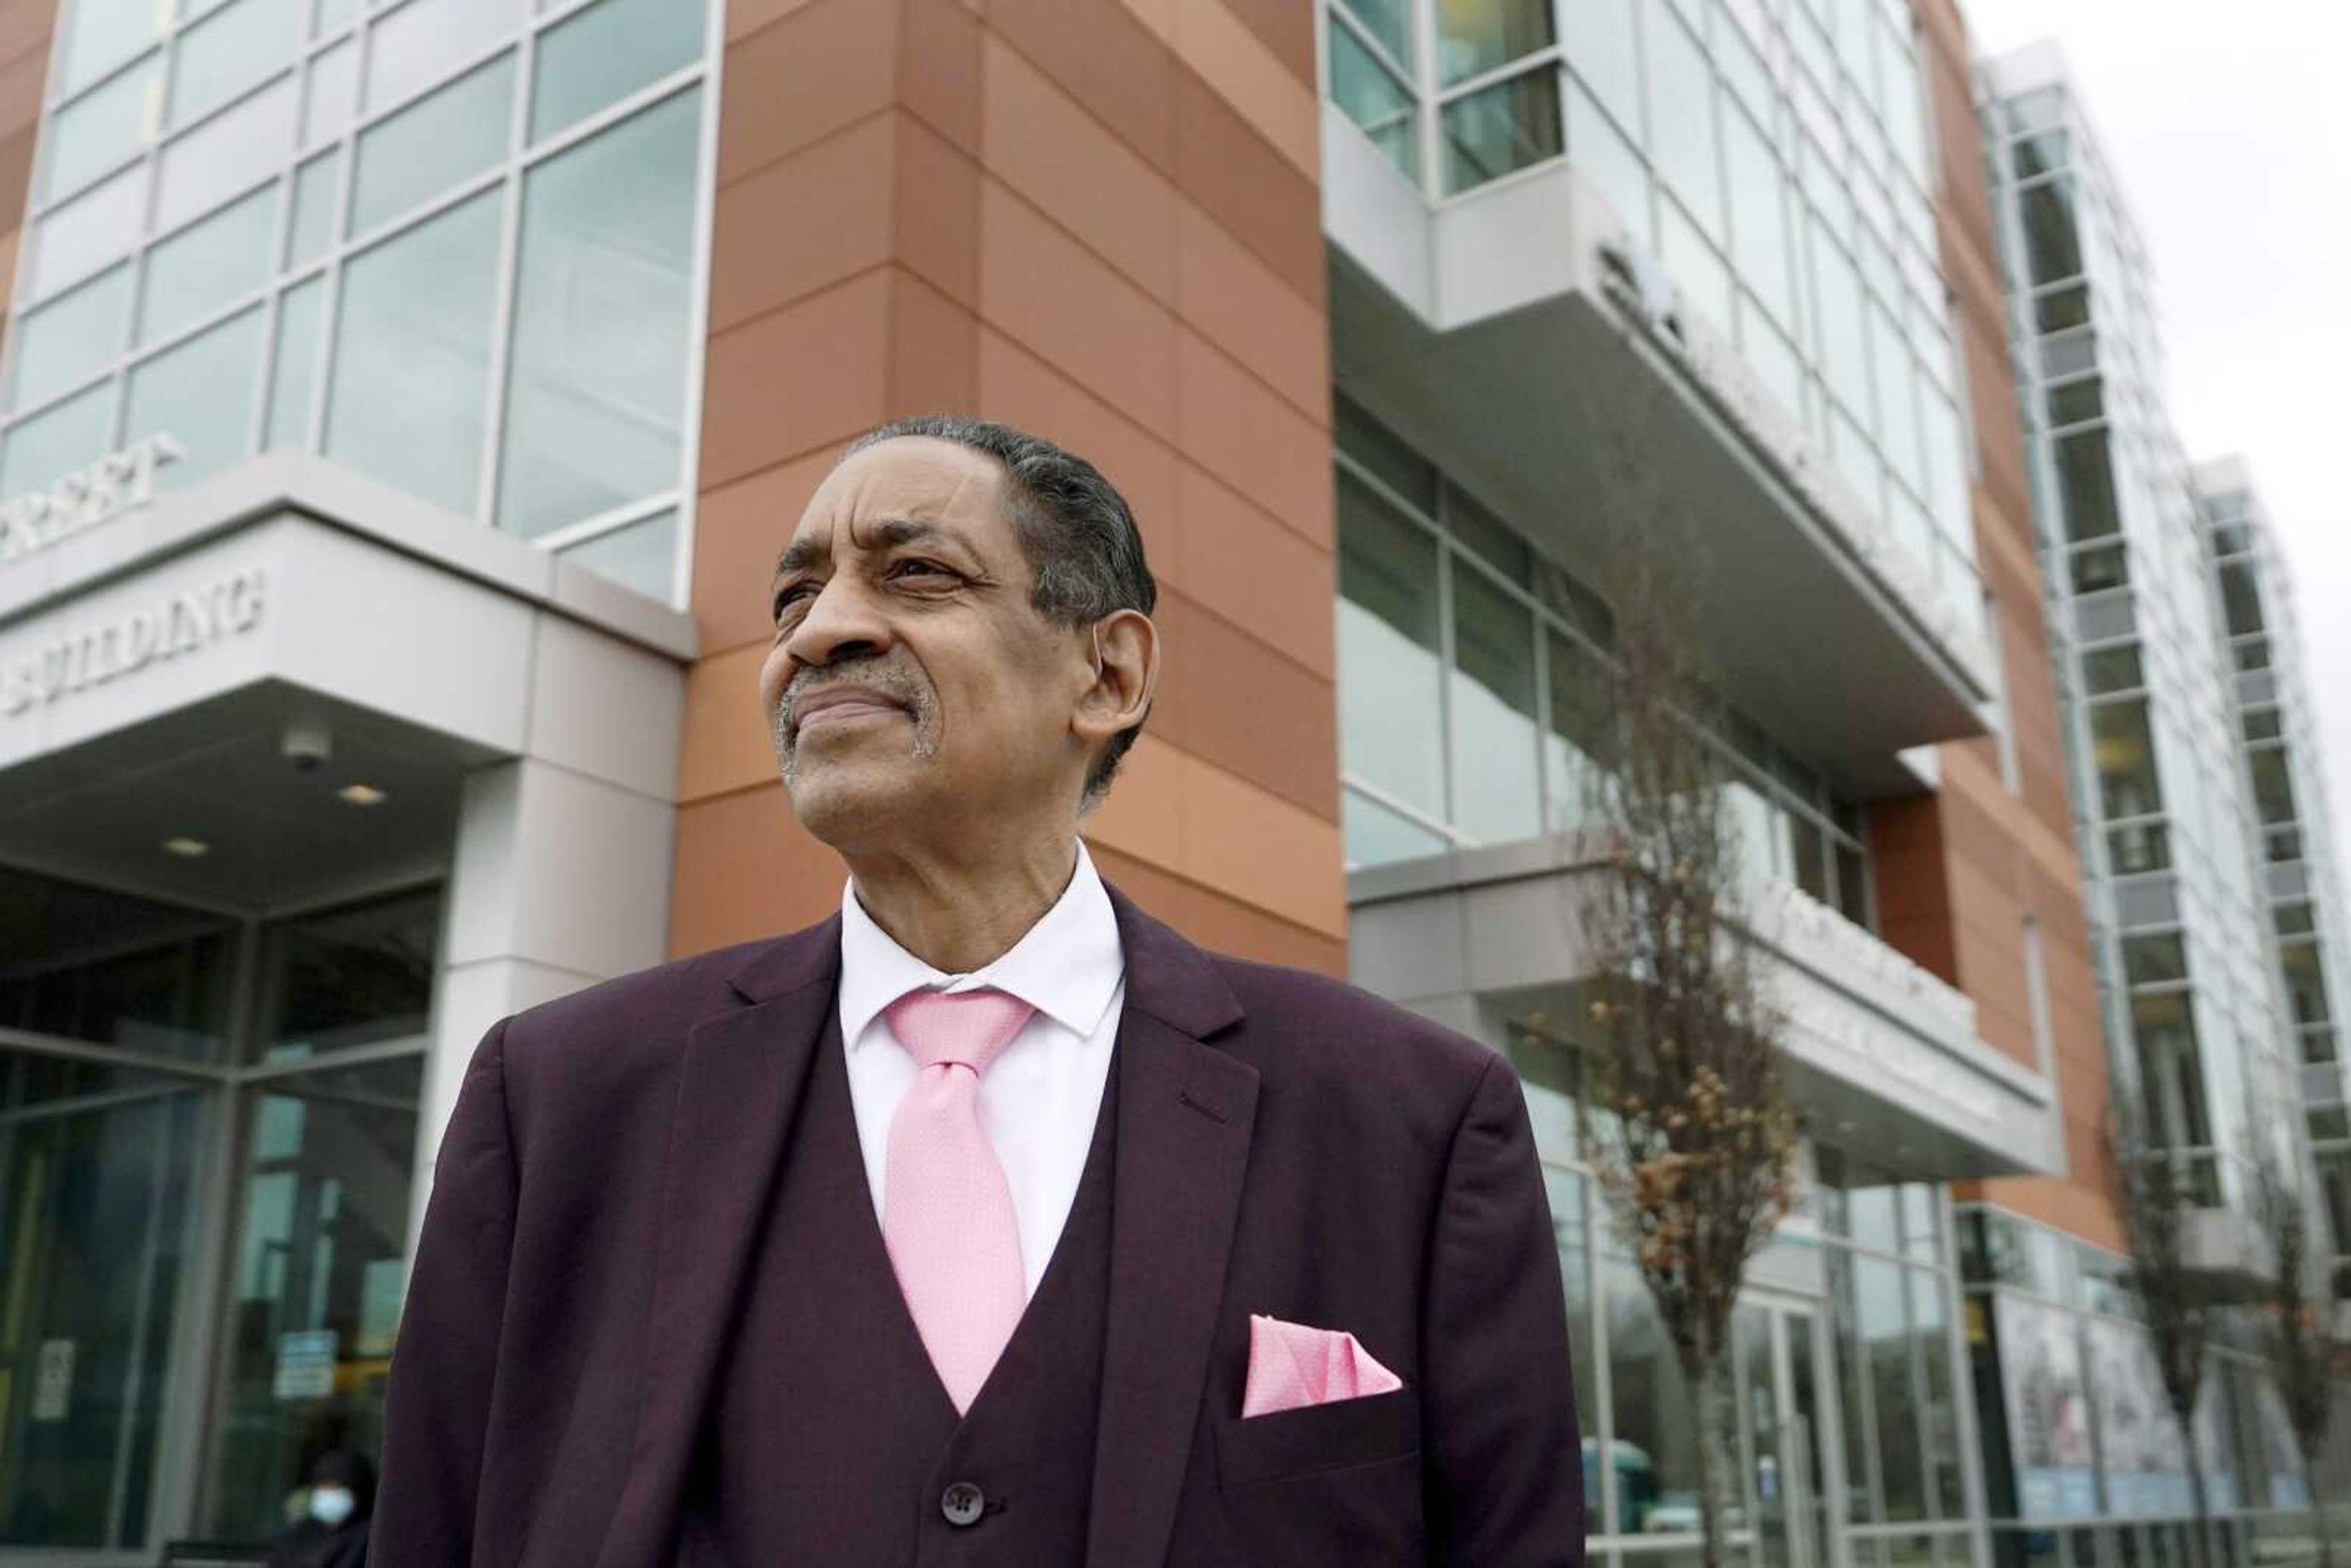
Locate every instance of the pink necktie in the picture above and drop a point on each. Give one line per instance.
(946, 1212)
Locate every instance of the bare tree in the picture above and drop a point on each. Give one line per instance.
(2156, 1200)
(2301, 1354)
(1682, 1111)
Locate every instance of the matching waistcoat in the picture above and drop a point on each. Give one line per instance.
(829, 1438)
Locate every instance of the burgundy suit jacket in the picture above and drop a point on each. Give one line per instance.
(1286, 1144)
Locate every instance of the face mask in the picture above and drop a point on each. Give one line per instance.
(330, 1505)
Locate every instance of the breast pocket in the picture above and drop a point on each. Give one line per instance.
(1338, 1436)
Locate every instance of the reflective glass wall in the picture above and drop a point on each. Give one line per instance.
(2168, 843)
(207, 1148)
(455, 244)
(1471, 700)
(1773, 155)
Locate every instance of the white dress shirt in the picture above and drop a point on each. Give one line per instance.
(1038, 1099)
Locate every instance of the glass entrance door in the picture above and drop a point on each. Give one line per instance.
(1777, 1371)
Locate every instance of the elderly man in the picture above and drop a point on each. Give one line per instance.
(988, 1221)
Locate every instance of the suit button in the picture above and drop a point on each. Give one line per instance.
(963, 1503)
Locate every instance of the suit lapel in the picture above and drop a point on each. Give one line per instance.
(740, 1082)
(1186, 1112)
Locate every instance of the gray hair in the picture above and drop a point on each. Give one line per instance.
(1074, 527)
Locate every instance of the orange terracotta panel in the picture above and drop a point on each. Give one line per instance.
(809, 220)
(824, 66)
(1067, 305)
(1240, 562)
(1238, 302)
(726, 745)
(1143, 814)
(1286, 27)
(1020, 389)
(1225, 52)
(738, 529)
(1259, 195)
(1216, 922)
(1232, 425)
(1040, 141)
(1231, 699)
(1106, 58)
(936, 215)
(761, 402)
(934, 351)
(745, 18)
(746, 869)
(1263, 850)
(938, 68)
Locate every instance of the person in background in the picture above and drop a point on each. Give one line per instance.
(333, 1532)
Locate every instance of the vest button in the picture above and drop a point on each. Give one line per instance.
(963, 1503)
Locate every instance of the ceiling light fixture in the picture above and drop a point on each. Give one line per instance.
(191, 848)
(362, 794)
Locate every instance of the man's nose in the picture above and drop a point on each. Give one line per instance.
(842, 621)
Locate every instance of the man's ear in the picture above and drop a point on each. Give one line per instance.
(1126, 673)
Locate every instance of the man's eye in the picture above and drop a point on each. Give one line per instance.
(915, 567)
(797, 595)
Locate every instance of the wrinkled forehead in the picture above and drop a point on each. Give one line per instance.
(940, 485)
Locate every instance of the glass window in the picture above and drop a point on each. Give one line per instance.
(1488, 537)
(1941, 1406)
(334, 15)
(1604, 47)
(2124, 753)
(2087, 479)
(1578, 741)
(229, 51)
(596, 402)
(1389, 22)
(1811, 852)
(2240, 597)
(643, 556)
(97, 1165)
(411, 354)
(1897, 415)
(1682, 87)
(2101, 567)
(358, 976)
(334, 81)
(225, 156)
(1393, 463)
(1493, 712)
(2305, 982)
(322, 1244)
(1390, 706)
(107, 969)
(312, 227)
(424, 149)
(1696, 269)
(56, 441)
(1383, 107)
(94, 133)
(415, 45)
(2059, 308)
(2273, 787)
(1613, 164)
(2041, 154)
(1565, 1191)
(1373, 835)
(1495, 130)
(2052, 246)
(202, 392)
(1878, 1292)
(1656, 1418)
(2154, 959)
(294, 370)
(600, 56)
(2293, 919)
(2075, 402)
(207, 265)
(1474, 37)
(2262, 724)
(95, 35)
(1759, 213)
(1843, 347)
(70, 338)
(95, 229)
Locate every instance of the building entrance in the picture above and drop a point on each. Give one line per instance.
(208, 1127)
(1781, 1363)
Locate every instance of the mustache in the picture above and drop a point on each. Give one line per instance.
(891, 682)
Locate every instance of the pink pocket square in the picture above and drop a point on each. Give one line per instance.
(1292, 1366)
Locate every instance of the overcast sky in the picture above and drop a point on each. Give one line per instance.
(2230, 127)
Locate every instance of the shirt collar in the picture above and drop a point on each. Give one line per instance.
(1067, 965)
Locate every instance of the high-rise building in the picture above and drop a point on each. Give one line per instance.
(2300, 876)
(2178, 897)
